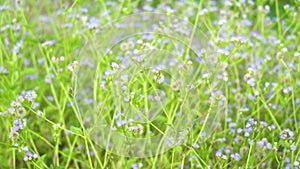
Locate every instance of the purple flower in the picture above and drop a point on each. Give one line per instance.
(50, 98)
(196, 145)
(29, 98)
(89, 100)
(92, 23)
(19, 44)
(273, 126)
(269, 146)
(287, 160)
(227, 151)
(68, 132)
(4, 7)
(236, 156)
(49, 78)
(293, 147)
(121, 122)
(31, 76)
(264, 123)
(136, 166)
(287, 134)
(3, 70)
(288, 166)
(232, 125)
(15, 104)
(260, 143)
(15, 128)
(239, 130)
(41, 61)
(18, 122)
(225, 52)
(219, 152)
(25, 159)
(49, 43)
(170, 141)
(35, 105)
(236, 139)
(19, 125)
(29, 154)
(11, 110)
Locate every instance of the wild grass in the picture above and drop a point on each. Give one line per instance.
(231, 98)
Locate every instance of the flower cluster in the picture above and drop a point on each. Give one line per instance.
(18, 111)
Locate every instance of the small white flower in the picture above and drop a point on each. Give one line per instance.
(130, 45)
(284, 50)
(55, 59)
(72, 66)
(267, 84)
(224, 157)
(115, 66)
(176, 85)
(132, 94)
(25, 148)
(124, 88)
(203, 11)
(62, 58)
(296, 163)
(285, 91)
(267, 8)
(256, 93)
(139, 41)
(124, 46)
(61, 70)
(224, 52)
(21, 111)
(14, 135)
(35, 156)
(138, 129)
(126, 99)
(190, 86)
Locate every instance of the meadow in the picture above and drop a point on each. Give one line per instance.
(149, 84)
